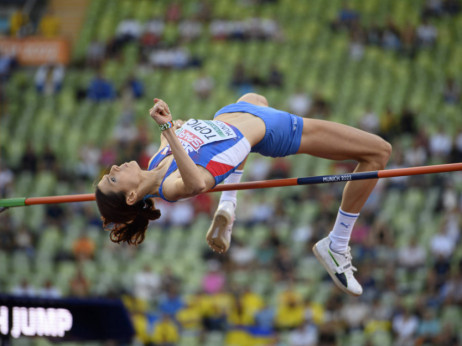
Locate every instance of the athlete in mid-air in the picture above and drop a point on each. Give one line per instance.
(196, 155)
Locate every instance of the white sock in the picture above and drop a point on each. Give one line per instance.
(340, 234)
(233, 178)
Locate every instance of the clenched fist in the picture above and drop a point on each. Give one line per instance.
(160, 112)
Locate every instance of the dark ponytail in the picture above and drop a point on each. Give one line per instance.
(127, 223)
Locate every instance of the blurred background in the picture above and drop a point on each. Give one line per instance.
(76, 80)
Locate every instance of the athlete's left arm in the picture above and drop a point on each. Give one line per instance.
(192, 179)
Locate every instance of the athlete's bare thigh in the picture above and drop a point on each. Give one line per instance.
(251, 126)
(335, 141)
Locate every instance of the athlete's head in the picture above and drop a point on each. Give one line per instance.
(125, 214)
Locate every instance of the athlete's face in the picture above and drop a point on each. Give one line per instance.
(124, 178)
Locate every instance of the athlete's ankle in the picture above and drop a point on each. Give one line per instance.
(341, 232)
(337, 245)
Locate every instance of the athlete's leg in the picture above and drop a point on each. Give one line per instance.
(255, 99)
(234, 177)
(219, 234)
(335, 141)
(340, 142)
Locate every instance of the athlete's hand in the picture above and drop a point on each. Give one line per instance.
(160, 112)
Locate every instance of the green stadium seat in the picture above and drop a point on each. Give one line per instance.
(4, 265)
(381, 338)
(451, 315)
(356, 338)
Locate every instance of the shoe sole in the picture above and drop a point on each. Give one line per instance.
(332, 275)
(215, 239)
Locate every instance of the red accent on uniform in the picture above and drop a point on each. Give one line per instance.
(218, 168)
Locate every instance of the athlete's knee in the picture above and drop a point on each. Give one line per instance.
(254, 98)
(384, 150)
(262, 100)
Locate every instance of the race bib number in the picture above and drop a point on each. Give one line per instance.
(196, 133)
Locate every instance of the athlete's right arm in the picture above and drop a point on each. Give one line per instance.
(255, 99)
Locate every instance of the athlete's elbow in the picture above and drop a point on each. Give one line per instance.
(201, 188)
(198, 188)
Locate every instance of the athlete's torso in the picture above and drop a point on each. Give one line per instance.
(214, 146)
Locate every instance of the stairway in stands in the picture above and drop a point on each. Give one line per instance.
(71, 14)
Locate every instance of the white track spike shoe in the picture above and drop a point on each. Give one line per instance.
(219, 234)
(338, 266)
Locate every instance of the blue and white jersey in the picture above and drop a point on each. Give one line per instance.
(215, 145)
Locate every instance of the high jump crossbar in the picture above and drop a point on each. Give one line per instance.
(262, 184)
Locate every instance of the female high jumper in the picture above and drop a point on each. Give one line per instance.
(196, 155)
